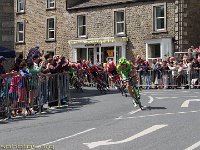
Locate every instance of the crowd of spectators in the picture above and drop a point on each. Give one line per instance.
(182, 70)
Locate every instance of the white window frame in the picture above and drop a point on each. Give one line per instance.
(83, 25)
(155, 18)
(121, 22)
(20, 32)
(48, 30)
(19, 3)
(49, 2)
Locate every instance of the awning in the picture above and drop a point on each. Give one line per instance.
(7, 53)
(99, 40)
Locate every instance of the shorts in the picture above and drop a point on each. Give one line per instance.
(114, 72)
(95, 74)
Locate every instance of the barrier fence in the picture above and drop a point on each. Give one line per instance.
(25, 94)
(177, 78)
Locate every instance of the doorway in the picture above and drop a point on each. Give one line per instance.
(107, 54)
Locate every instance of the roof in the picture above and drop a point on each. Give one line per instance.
(98, 3)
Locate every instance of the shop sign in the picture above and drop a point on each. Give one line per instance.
(92, 45)
(100, 41)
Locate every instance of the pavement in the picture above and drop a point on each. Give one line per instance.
(110, 122)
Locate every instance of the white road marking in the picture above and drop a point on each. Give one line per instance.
(191, 96)
(133, 112)
(193, 146)
(186, 103)
(118, 118)
(61, 139)
(151, 99)
(138, 135)
(154, 115)
(165, 97)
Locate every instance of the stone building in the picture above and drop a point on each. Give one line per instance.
(41, 23)
(107, 29)
(7, 24)
(103, 30)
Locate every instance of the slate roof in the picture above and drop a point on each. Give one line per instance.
(97, 3)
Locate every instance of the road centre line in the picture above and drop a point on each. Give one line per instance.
(154, 115)
(193, 146)
(61, 139)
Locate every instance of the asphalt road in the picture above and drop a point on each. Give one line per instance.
(110, 122)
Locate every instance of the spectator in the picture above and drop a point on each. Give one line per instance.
(165, 74)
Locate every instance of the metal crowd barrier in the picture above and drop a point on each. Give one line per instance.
(153, 79)
(18, 94)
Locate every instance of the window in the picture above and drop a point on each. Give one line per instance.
(82, 53)
(119, 23)
(154, 51)
(118, 53)
(51, 29)
(20, 6)
(81, 26)
(20, 32)
(50, 4)
(159, 18)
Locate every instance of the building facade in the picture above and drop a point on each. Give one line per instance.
(103, 31)
(116, 28)
(41, 23)
(7, 24)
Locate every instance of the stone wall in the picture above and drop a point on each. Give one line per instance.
(7, 23)
(100, 23)
(139, 24)
(35, 18)
(191, 31)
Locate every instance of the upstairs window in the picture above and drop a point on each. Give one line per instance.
(20, 6)
(159, 18)
(51, 29)
(50, 4)
(20, 32)
(81, 26)
(119, 23)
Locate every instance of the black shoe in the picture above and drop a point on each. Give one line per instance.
(142, 108)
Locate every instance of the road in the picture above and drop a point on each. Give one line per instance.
(109, 122)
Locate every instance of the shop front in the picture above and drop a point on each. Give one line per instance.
(99, 49)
